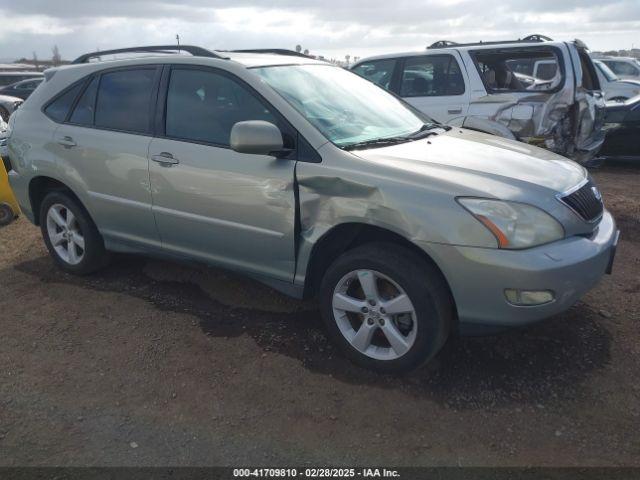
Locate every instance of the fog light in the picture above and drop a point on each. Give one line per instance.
(528, 297)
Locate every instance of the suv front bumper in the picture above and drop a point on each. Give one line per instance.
(478, 277)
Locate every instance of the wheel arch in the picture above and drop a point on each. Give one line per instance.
(347, 236)
(41, 185)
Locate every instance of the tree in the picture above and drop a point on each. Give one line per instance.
(347, 57)
(298, 48)
(56, 59)
(35, 60)
(306, 51)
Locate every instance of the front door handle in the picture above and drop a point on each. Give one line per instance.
(454, 111)
(165, 159)
(67, 142)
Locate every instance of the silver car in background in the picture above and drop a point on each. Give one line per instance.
(535, 90)
(314, 181)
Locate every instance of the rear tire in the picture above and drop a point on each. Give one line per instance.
(6, 214)
(387, 308)
(4, 113)
(70, 235)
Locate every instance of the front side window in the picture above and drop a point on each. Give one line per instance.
(379, 72)
(203, 106)
(519, 69)
(124, 100)
(431, 76)
(59, 108)
(344, 107)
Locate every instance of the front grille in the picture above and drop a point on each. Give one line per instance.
(586, 202)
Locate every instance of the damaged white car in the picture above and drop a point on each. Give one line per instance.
(535, 90)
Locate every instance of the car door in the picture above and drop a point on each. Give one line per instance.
(211, 203)
(103, 148)
(435, 84)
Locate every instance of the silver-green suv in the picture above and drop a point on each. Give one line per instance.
(315, 181)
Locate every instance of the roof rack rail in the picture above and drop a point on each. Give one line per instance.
(443, 44)
(195, 51)
(536, 37)
(276, 51)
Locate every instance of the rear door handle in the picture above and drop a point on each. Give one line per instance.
(454, 111)
(165, 159)
(67, 142)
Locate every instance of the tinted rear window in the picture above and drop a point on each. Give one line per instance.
(83, 113)
(59, 108)
(124, 100)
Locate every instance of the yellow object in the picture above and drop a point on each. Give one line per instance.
(8, 205)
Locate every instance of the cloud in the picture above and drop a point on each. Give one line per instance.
(331, 27)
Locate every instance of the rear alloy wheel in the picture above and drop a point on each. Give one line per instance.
(70, 234)
(387, 308)
(65, 234)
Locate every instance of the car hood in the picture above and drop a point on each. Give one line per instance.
(487, 155)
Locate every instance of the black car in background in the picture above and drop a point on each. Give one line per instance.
(21, 89)
(622, 121)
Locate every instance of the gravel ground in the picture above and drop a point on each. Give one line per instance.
(156, 363)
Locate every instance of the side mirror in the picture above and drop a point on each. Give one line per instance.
(257, 137)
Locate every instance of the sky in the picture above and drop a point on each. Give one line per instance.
(333, 28)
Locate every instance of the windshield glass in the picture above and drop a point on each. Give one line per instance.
(606, 71)
(345, 108)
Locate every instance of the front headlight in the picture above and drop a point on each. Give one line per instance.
(515, 225)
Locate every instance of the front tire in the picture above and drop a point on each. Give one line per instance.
(387, 308)
(70, 235)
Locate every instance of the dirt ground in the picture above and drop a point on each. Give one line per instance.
(156, 363)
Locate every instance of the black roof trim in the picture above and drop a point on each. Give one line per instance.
(193, 50)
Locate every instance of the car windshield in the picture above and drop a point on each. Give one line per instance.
(606, 71)
(346, 108)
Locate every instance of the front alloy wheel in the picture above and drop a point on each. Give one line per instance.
(386, 307)
(374, 314)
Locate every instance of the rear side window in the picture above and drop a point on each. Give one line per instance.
(622, 68)
(379, 72)
(59, 108)
(431, 76)
(530, 69)
(124, 100)
(84, 110)
(203, 106)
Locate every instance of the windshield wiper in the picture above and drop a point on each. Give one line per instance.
(426, 130)
(377, 142)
